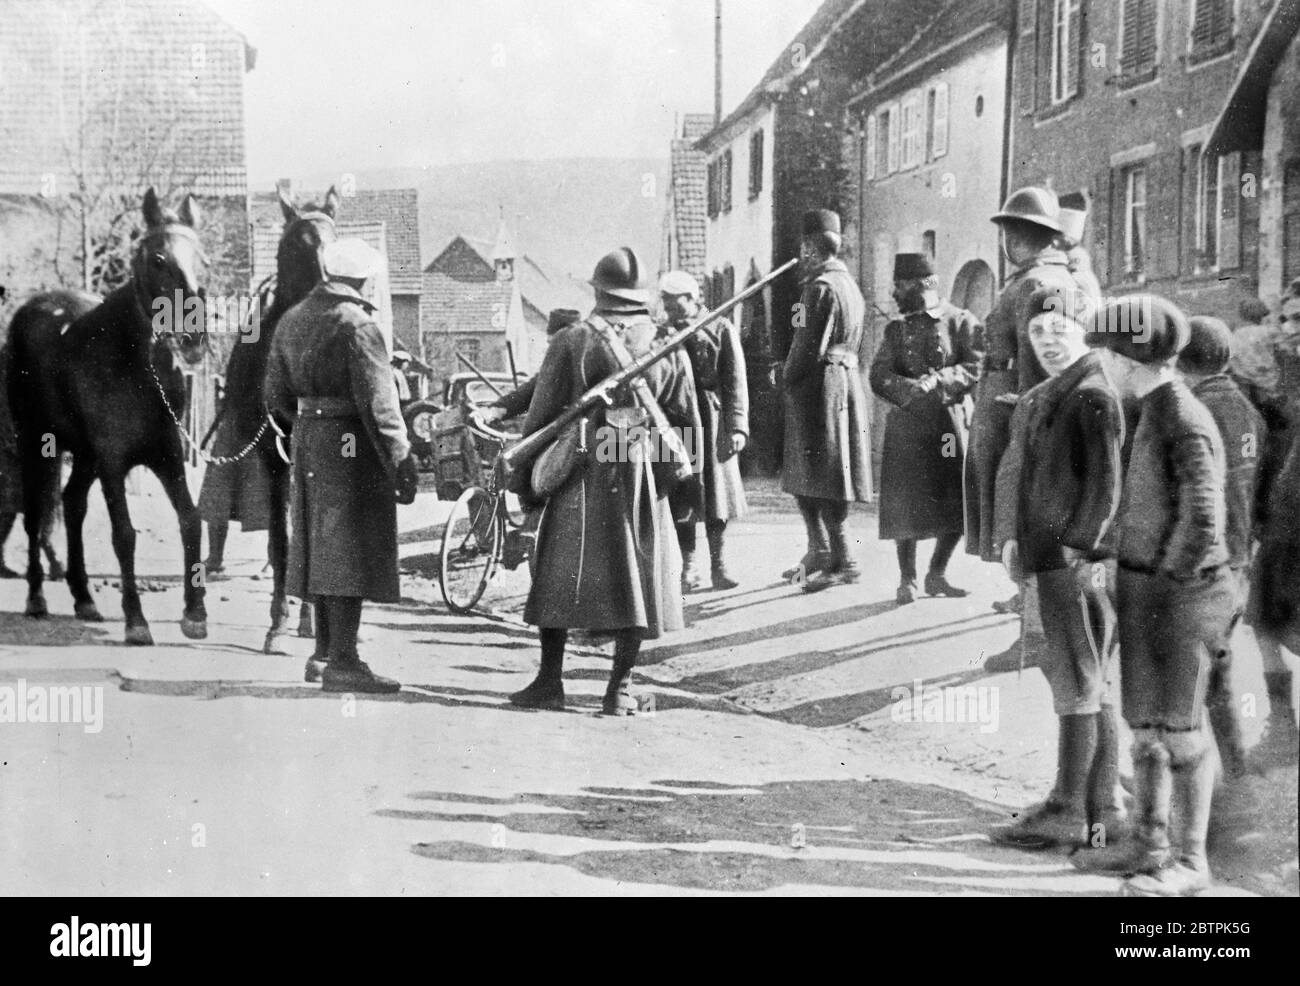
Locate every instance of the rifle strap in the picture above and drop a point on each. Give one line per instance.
(640, 389)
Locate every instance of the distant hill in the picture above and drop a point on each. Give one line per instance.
(565, 212)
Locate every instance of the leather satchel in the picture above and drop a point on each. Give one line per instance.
(560, 460)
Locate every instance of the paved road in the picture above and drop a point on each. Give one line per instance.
(777, 760)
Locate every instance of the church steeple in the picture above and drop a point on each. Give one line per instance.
(504, 252)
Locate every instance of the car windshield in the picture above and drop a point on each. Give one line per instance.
(477, 392)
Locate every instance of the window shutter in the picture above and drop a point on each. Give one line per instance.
(1072, 61)
(1106, 239)
(869, 153)
(1230, 211)
(1163, 212)
(1045, 36)
(1211, 24)
(940, 119)
(1138, 51)
(1251, 163)
(1026, 55)
(895, 131)
(1190, 201)
(1291, 220)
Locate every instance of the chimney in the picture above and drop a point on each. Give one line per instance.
(717, 62)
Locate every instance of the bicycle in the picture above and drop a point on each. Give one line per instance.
(481, 532)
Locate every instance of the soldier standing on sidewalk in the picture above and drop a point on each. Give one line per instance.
(926, 367)
(827, 465)
(329, 366)
(718, 365)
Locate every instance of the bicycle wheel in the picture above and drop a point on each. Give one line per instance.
(471, 542)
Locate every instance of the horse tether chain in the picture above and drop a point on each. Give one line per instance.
(208, 457)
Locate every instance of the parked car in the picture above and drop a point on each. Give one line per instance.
(430, 423)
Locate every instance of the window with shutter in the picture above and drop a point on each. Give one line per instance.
(1207, 211)
(724, 181)
(1189, 192)
(939, 121)
(1135, 219)
(895, 130)
(1100, 224)
(1212, 29)
(712, 182)
(1026, 73)
(755, 163)
(1138, 46)
(1065, 40)
(1291, 221)
(869, 148)
(911, 130)
(1229, 250)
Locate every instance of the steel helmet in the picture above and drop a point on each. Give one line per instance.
(1032, 205)
(620, 274)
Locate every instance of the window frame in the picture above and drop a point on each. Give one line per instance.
(1132, 271)
(893, 149)
(912, 140)
(870, 147)
(756, 162)
(938, 96)
(1214, 49)
(1062, 46)
(1128, 78)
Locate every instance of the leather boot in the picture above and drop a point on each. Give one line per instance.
(321, 655)
(346, 672)
(618, 700)
(1108, 819)
(1148, 851)
(818, 555)
(1193, 784)
(715, 531)
(1061, 820)
(691, 580)
(843, 570)
(546, 691)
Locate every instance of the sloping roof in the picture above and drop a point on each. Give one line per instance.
(696, 125)
(958, 21)
(465, 258)
(452, 305)
(1240, 124)
(397, 208)
(171, 71)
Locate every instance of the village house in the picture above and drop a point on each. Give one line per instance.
(72, 173)
(928, 162)
(1114, 103)
(685, 220)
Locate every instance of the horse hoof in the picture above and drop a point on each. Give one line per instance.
(273, 645)
(89, 613)
(139, 636)
(195, 629)
(36, 607)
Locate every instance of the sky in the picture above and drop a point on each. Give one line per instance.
(394, 83)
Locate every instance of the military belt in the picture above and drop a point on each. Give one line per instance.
(326, 407)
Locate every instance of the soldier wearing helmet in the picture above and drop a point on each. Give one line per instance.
(718, 367)
(1030, 225)
(606, 558)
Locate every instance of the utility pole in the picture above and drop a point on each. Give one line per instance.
(717, 62)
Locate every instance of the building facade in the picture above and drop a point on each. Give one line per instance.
(1115, 102)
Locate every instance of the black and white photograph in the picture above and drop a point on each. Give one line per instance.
(650, 448)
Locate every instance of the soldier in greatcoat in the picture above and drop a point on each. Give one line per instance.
(718, 367)
(607, 559)
(1030, 226)
(826, 464)
(329, 367)
(927, 367)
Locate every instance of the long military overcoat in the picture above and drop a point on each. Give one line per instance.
(606, 555)
(718, 369)
(926, 432)
(827, 418)
(329, 367)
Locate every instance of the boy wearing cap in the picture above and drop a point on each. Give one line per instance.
(1176, 596)
(1058, 491)
(826, 465)
(927, 366)
(1203, 364)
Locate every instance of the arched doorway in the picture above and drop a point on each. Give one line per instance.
(974, 288)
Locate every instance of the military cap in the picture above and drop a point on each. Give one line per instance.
(620, 276)
(401, 356)
(1034, 205)
(912, 266)
(820, 221)
(679, 282)
(1209, 348)
(561, 318)
(352, 258)
(1143, 327)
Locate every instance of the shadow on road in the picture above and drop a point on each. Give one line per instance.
(876, 834)
(17, 630)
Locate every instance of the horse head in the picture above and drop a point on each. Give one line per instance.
(164, 275)
(308, 230)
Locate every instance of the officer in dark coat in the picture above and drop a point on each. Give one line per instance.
(718, 366)
(515, 403)
(927, 367)
(606, 558)
(329, 366)
(827, 465)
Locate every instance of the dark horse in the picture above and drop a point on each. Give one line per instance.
(298, 269)
(103, 381)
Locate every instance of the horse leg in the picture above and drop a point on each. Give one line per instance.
(113, 483)
(194, 619)
(74, 516)
(278, 548)
(306, 620)
(39, 475)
